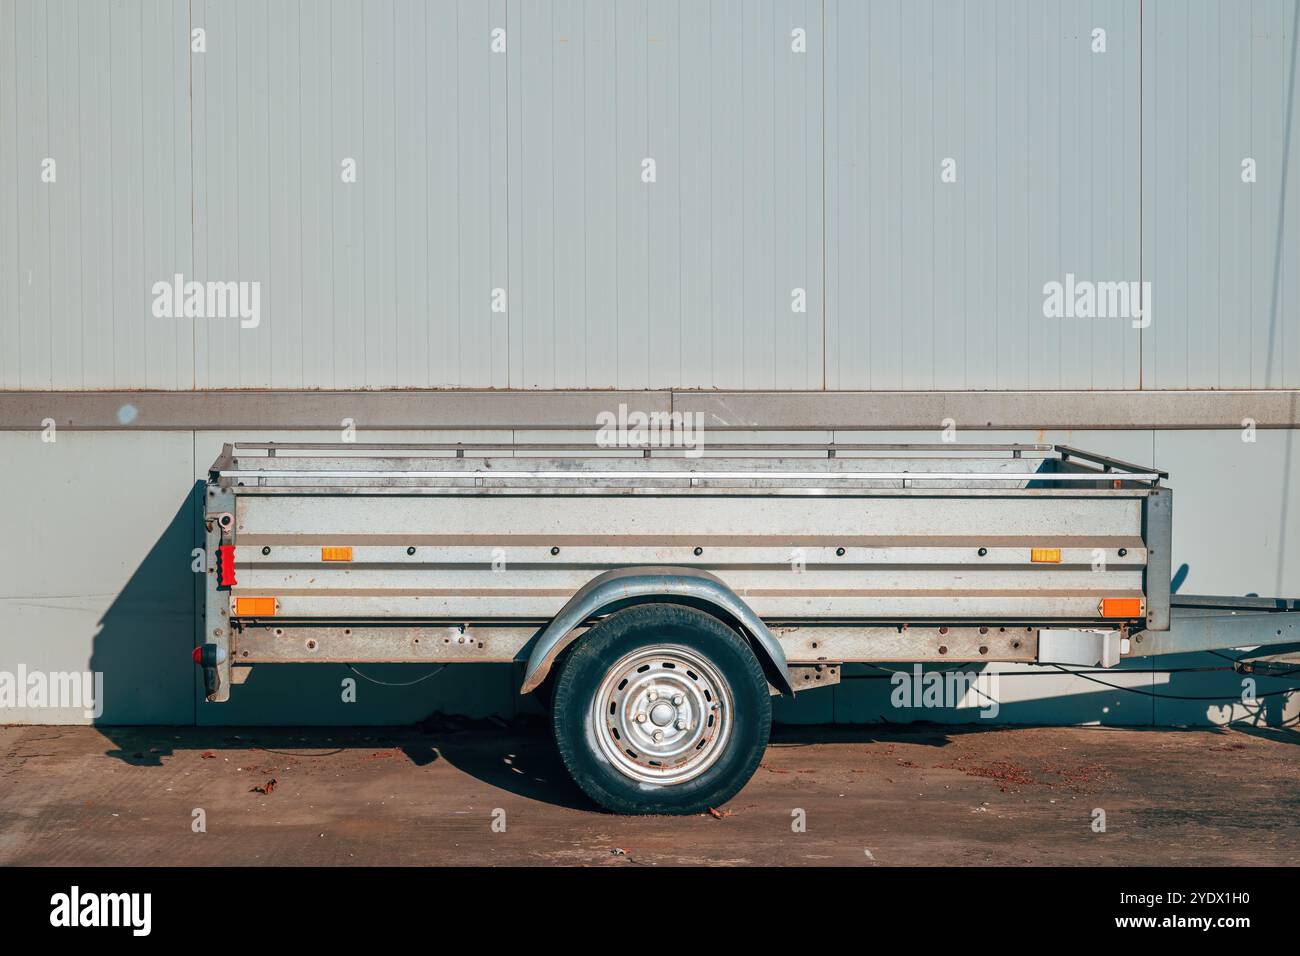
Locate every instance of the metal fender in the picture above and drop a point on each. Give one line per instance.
(626, 586)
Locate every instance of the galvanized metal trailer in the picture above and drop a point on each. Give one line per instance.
(655, 599)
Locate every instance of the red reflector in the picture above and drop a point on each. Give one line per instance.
(226, 565)
(198, 655)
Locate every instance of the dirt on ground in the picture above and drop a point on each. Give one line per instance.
(453, 792)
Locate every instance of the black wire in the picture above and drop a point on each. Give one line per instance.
(1236, 660)
(1170, 670)
(1131, 690)
(1144, 693)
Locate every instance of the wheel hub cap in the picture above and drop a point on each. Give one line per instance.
(662, 715)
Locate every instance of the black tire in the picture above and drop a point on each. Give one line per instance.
(731, 739)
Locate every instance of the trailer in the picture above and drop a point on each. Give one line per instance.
(654, 600)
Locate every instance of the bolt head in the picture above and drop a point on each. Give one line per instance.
(658, 735)
(678, 700)
(681, 725)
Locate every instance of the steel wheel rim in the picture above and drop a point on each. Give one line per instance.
(662, 715)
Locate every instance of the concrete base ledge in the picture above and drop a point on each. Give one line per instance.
(741, 410)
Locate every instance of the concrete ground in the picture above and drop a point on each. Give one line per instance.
(875, 795)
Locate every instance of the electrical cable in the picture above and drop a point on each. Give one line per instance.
(1131, 690)
(410, 683)
(1144, 693)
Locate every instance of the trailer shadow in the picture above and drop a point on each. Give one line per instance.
(516, 757)
(1198, 690)
(520, 759)
(143, 643)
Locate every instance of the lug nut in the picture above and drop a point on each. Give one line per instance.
(640, 718)
(678, 700)
(658, 735)
(653, 695)
(680, 725)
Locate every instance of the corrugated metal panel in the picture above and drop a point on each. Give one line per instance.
(384, 281)
(1223, 255)
(100, 90)
(685, 280)
(938, 284)
(521, 171)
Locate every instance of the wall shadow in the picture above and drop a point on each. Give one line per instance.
(144, 639)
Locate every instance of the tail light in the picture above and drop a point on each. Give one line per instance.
(226, 565)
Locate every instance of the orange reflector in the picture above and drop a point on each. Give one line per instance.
(255, 607)
(336, 554)
(1050, 555)
(1121, 607)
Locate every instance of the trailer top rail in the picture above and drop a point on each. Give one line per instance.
(834, 464)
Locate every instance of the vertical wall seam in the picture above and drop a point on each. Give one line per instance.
(821, 137)
(1142, 333)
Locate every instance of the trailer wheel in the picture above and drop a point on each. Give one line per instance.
(661, 708)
